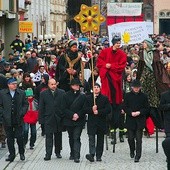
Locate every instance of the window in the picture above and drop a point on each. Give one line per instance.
(11, 5)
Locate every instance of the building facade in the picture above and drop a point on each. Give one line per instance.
(161, 17)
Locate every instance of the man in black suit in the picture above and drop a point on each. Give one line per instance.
(13, 106)
(74, 120)
(165, 108)
(50, 113)
(136, 107)
(96, 123)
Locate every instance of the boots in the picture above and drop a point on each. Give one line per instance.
(121, 136)
(114, 141)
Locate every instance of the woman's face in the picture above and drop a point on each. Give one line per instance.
(27, 79)
(145, 45)
(129, 78)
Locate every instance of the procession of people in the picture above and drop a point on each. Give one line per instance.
(58, 88)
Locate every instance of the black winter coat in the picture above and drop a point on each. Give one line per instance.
(165, 107)
(6, 105)
(136, 102)
(98, 121)
(50, 110)
(74, 103)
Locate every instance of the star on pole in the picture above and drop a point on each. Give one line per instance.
(89, 18)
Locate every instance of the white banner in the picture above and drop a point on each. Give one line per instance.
(124, 9)
(130, 32)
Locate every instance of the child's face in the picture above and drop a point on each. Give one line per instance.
(129, 78)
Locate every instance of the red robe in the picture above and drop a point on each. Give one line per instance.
(118, 63)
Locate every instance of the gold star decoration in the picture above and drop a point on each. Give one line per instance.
(89, 18)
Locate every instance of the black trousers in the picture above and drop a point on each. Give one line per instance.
(55, 138)
(98, 149)
(132, 135)
(74, 133)
(13, 132)
(166, 148)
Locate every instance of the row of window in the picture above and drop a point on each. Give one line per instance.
(164, 14)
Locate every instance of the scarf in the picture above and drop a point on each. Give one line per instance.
(148, 58)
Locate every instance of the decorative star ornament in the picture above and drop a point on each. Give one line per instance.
(89, 18)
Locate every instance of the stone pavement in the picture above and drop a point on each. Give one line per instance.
(120, 160)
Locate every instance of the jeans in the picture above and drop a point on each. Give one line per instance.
(33, 133)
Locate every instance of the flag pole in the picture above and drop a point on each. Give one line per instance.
(92, 66)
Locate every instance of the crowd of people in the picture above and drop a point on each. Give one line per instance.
(55, 84)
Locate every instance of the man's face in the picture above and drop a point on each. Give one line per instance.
(117, 45)
(7, 68)
(75, 87)
(52, 84)
(74, 48)
(96, 89)
(136, 89)
(12, 86)
(33, 55)
(41, 69)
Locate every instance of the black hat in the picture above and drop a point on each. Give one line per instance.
(75, 81)
(136, 83)
(97, 84)
(115, 39)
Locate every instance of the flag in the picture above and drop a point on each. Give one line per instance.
(70, 35)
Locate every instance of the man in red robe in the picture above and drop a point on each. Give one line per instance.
(111, 64)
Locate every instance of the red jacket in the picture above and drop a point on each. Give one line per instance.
(118, 63)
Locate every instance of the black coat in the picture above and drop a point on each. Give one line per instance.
(50, 110)
(6, 105)
(136, 102)
(165, 107)
(74, 103)
(98, 121)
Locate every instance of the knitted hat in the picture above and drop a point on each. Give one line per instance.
(115, 39)
(13, 71)
(29, 92)
(71, 43)
(149, 43)
(46, 77)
